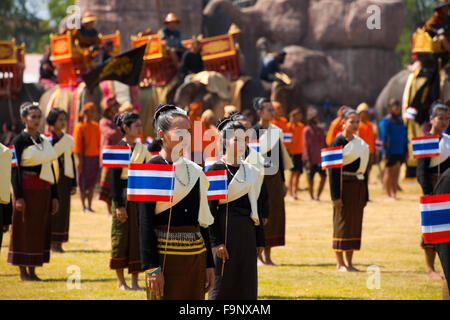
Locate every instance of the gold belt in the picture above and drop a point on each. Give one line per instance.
(180, 243)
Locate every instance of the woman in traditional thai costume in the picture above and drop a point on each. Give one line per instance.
(5, 193)
(236, 234)
(257, 160)
(276, 160)
(429, 169)
(125, 251)
(349, 192)
(110, 135)
(174, 235)
(35, 194)
(64, 169)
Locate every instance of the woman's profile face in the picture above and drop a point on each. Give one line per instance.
(441, 121)
(33, 119)
(178, 133)
(61, 122)
(352, 123)
(268, 112)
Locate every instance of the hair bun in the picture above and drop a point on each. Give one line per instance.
(222, 122)
(161, 108)
(118, 119)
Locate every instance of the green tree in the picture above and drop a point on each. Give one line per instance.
(18, 19)
(416, 12)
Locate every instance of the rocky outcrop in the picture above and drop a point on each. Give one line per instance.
(333, 50)
(133, 16)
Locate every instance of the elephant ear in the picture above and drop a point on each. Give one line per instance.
(189, 92)
(184, 94)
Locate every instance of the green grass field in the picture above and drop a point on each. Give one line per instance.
(305, 266)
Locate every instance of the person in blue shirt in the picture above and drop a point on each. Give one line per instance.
(395, 146)
(271, 65)
(171, 37)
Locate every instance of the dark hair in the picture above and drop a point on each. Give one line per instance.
(393, 102)
(438, 106)
(258, 103)
(164, 115)
(237, 116)
(53, 115)
(348, 113)
(227, 124)
(26, 107)
(127, 118)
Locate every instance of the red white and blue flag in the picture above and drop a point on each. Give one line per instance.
(209, 162)
(150, 182)
(149, 141)
(287, 137)
(14, 163)
(378, 144)
(435, 212)
(116, 156)
(424, 147)
(218, 184)
(254, 145)
(49, 137)
(410, 113)
(332, 157)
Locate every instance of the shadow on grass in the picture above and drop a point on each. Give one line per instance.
(87, 251)
(321, 265)
(82, 280)
(306, 298)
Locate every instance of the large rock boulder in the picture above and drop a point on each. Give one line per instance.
(133, 16)
(333, 50)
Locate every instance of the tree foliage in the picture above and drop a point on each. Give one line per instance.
(19, 19)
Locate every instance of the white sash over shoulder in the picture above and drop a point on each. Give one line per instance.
(65, 146)
(5, 169)
(140, 155)
(205, 217)
(33, 156)
(355, 149)
(249, 183)
(444, 151)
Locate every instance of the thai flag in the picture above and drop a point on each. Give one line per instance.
(435, 212)
(287, 137)
(424, 147)
(209, 162)
(116, 156)
(218, 188)
(254, 145)
(378, 145)
(410, 113)
(14, 163)
(49, 137)
(150, 182)
(332, 157)
(149, 141)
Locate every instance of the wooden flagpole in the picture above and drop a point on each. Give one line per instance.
(226, 234)
(341, 187)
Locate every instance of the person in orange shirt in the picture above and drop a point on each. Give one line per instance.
(335, 126)
(365, 132)
(86, 137)
(197, 129)
(210, 134)
(280, 121)
(295, 126)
